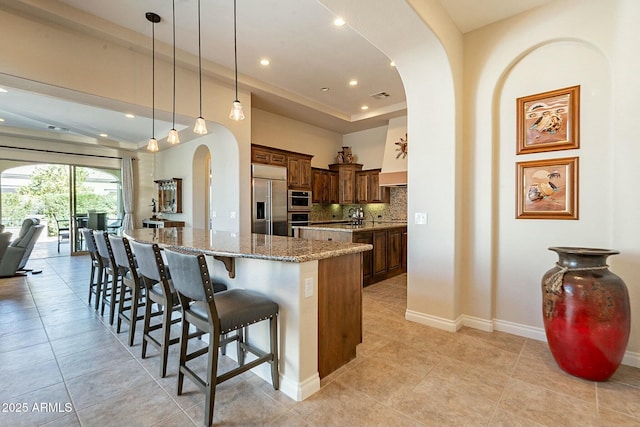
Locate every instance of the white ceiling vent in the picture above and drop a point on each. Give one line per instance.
(380, 95)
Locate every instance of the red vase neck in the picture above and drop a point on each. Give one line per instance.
(582, 257)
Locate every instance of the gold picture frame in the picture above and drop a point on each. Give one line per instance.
(547, 189)
(549, 121)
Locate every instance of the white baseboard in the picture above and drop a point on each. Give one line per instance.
(630, 358)
(434, 321)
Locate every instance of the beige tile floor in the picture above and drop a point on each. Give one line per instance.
(63, 365)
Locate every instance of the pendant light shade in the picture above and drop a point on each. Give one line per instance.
(173, 137)
(236, 110)
(154, 19)
(152, 145)
(201, 125)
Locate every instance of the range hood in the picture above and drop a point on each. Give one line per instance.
(394, 161)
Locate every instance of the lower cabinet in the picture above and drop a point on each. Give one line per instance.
(388, 257)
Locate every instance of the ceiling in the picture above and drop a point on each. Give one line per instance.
(306, 50)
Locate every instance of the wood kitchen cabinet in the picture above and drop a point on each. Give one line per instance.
(268, 156)
(299, 172)
(324, 185)
(298, 164)
(368, 188)
(388, 257)
(346, 181)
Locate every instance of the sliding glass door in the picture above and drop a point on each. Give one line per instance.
(64, 198)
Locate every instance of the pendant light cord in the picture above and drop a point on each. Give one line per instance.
(153, 79)
(199, 59)
(174, 64)
(235, 47)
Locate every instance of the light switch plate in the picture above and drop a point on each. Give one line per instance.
(232, 215)
(421, 217)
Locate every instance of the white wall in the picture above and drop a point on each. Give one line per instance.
(281, 132)
(565, 43)
(367, 146)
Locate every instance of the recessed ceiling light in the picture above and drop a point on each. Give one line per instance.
(3, 90)
(364, 107)
(339, 22)
(392, 63)
(104, 135)
(324, 89)
(353, 82)
(1, 119)
(265, 62)
(129, 116)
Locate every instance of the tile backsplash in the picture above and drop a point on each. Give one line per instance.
(394, 211)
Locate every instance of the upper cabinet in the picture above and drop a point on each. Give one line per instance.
(346, 181)
(267, 156)
(368, 188)
(298, 165)
(299, 172)
(325, 186)
(169, 195)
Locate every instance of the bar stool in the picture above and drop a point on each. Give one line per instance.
(111, 276)
(218, 314)
(97, 269)
(158, 290)
(130, 283)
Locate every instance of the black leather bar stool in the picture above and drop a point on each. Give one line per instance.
(111, 277)
(97, 269)
(218, 314)
(131, 287)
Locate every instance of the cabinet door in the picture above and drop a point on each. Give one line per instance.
(362, 187)
(347, 185)
(334, 188)
(293, 172)
(394, 248)
(305, 174)
(379, 253)
(367, 257)
(260, 156)
(317, 186)
(278, 159)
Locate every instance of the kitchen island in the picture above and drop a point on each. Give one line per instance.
(317, 284)
(388, 238)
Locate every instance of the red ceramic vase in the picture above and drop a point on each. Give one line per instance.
(586, 313)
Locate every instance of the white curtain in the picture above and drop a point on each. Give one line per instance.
(127, 193)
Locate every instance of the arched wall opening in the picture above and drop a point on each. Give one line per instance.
(430, 68)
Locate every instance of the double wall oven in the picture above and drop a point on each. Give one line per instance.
(298, 207)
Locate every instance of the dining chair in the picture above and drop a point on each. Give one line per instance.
(111, 277)
(63, 229)
(219, 314)
(97, 268)
(130, 284)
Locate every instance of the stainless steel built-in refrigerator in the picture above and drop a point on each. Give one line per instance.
(269, 200)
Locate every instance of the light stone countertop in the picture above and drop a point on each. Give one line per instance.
(236, 245)
(348, 228)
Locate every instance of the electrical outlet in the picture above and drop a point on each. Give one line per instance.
(232, 215)
(308, 287)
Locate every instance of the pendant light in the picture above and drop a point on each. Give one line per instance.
(154, 19)
(236, 111)
(173, 137)
(201, 125)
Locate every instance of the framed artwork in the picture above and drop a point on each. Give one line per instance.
(547, 189)
(549, 121)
